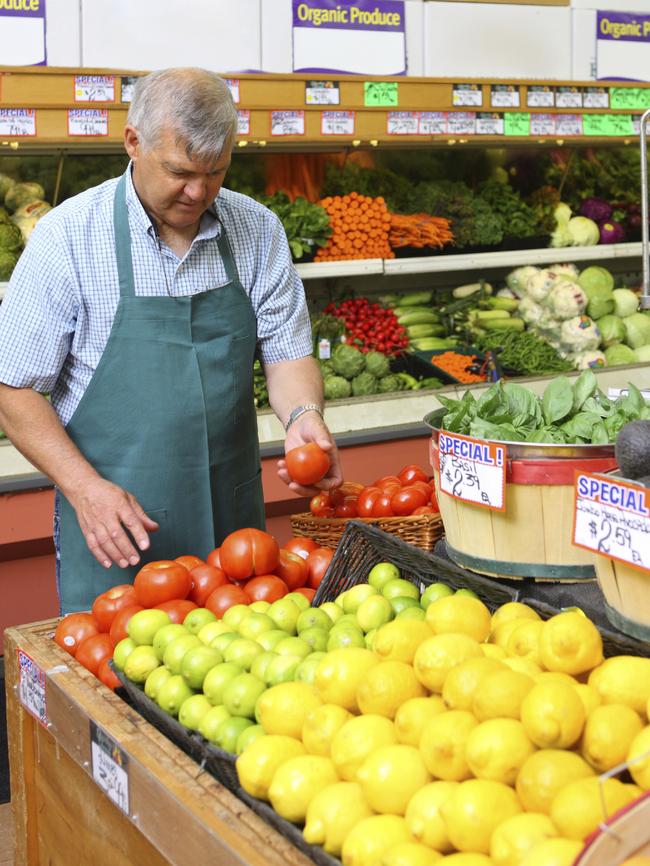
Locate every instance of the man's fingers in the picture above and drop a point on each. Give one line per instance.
(138, 522)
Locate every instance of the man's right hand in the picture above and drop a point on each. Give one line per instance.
(105, 512)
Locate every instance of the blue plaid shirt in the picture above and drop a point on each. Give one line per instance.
(59, 307)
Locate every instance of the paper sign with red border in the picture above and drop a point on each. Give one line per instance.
(233, 87)
(473, 470)
(88, 122)
(94, 88)
(402, 122)
(31, 687)
(287, 123)
(243, 121)
(17, 122)
(611, 517)
(337, 122)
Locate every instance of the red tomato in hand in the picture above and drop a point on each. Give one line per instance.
(160, 581)
(92, 652)
(248, 552)
(345, 491)
(118, 627)
(266, 587)
(107, 676)
(382, 506)
(224, 597)
(307, 464)
(307, 592)
(318, 562)
(74, 629)
(412, 473)
(189, 561)
(367, 499)
(301, 545)
(387, 481)
(293, 569)
(406, 500)
(321, 505)
(213, 558)
(177, 609)
(107, 605)
(205, 579)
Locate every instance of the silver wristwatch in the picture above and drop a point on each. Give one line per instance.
(300, 410)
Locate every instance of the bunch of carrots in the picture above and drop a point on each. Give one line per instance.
(457, 366)
(419, 230)
(360, 228)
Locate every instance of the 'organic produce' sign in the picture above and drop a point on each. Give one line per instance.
(22, 33)
(473, 470)
(622, 46)
(612, 517)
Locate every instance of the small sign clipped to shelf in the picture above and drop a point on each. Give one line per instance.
(612, 518)
(473, 470)
(110, 767)
(17, 122)
(378, 94)
(31, 687)
(94, 88)
(287, 123)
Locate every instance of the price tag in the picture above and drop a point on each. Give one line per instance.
(568, 124)
(31, 687)
(433, 123)
(461, 123)
(607, 124)
(322, 93)
(568, 97)
(337, 122)
(243, 121)
(380, 93)
(504, 96)
(94, 88)
(489, 124)
(287, 123)
(517, 122)
(473, 470)
(402, 123)
(596, 97)
(128, 83)
(233, 87)
(627, 98)
(17, 121)
(612, 517)
(467, 95)
(542, 124)
(110, 765)
(540, 96)
(87, 121)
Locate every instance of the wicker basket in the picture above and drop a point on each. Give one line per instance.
(420, 530)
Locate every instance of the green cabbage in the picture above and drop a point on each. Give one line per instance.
(11, 239)
(583, 232)
(7, 264)
(336, 388)
(626, 302)
(377, 364)
(389, 383)
(619, 354)
(364, 384)
(6, 183)
(642, 354)
(596, 279)
(4, 216)
(611, 330)
(23, 193)
(637, 330)
(347, 361)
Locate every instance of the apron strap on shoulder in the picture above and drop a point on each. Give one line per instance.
(225, 251)
(123, 240)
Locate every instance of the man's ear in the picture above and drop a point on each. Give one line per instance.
(131, 141)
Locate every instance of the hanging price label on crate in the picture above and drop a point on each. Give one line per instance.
(612, 518)
(94, 88)
(31, 687)
(473, 470)
(540, 96)
(17, 121)
(87, 121)
(337, 123)
(243, 121)
(432, 123)
(233, 87)
(110, 766)
(287, 123)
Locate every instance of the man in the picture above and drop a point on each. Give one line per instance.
(139, 305)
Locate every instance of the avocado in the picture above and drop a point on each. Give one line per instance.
(633, 449)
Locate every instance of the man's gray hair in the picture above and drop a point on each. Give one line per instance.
(194, 104)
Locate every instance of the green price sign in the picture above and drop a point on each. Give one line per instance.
(607, 124)
(517, 122)
(629, 97)
(380, 93)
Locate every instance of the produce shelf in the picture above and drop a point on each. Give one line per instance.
(354, 268)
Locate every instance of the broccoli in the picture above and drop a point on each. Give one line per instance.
(336, 388)
(347, 361)
(7, 264)
(364, 384)
(11, 239)
(377, 364)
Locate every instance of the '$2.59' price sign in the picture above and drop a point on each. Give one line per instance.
(473, 470)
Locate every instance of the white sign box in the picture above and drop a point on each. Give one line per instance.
(623, 45)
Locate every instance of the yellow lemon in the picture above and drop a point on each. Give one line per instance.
(370, 839)
(474, 810)
(501, 634)
(282, 708)
(554, 852)
(390, 776)
(635, 790)
(553, 715)
(497, 749)
(468, 859)
(524, 640)
(356, 739)
(545, 773)
(462, 680)
(332, 813)
(398, 640)
(296, 783)
(516, 837)
(571, 643)
(492, 651)
(386, 687)
(623, 680)
(257, 764)
(437, 655)
(640, 769)
(608, 735)
(320, 726)
(556, 677)
(443, 744)
(512, 610)
(340, 673)
(410, 854)
(500, 695)
(589, 697)
(523, 665)
(412, 716)
(637, 861)
(459, 614)
(424, 817)
(577, 809)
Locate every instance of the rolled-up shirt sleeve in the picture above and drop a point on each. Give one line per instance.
(38, 314)
(278, 297)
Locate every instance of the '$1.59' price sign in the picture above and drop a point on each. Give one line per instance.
(473, 470)
(612, 517)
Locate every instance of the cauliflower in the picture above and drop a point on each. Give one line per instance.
(567, 271)
(22, 193)
(580, 334)
(566, 300)
(530, 311)
(377, 364)
(540, 284)
(516, 280)
(347, 361)
(336, 388)
(593, 359)
(364, 384)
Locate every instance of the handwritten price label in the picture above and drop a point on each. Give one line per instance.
(94, 88)
(461, 123)
(87, 121)
(542, 124)
(568, 124)
(322, 93)
(110, 767)
(233, 87)
(489, 123)
(504, 96)
(540, 96)
(433, 123)
(596, 97)
(128, 84)
(17, 121)
(630, 98)
(612, 517)
(337, 123)
(402, 122)
(31, 687)
(243, 122)
(287, 123)
(473, 470)
(568, 97)
(467, 95)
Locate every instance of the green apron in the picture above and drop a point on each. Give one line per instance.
(169, 416)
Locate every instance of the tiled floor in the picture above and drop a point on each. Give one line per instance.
(6, 836)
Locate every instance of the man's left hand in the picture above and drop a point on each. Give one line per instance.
(310, 427)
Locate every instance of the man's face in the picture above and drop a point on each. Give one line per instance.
(173, 188)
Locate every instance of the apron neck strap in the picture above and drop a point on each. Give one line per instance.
(227, 257)
(123, 240)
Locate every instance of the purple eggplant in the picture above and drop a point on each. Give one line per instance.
(596, 209)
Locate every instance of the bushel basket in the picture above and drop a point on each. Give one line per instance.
(420, 530)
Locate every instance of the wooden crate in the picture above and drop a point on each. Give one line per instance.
(177, 814)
